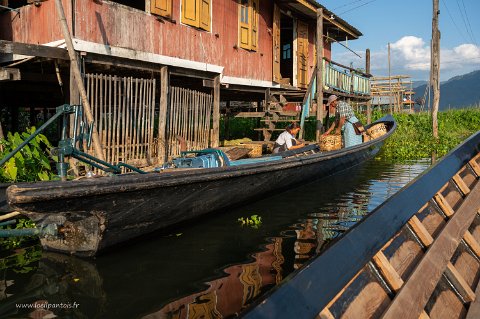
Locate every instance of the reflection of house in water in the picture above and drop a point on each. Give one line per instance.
(226, 296)
(307, 241)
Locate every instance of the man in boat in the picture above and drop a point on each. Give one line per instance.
(344, 119)
(286, 140)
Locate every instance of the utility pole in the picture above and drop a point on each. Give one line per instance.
(435, 68)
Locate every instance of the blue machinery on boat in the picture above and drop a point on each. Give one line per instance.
(67, 146)
(209, 158)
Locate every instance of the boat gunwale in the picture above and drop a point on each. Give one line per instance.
(30, 192)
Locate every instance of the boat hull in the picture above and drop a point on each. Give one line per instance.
(98, 213)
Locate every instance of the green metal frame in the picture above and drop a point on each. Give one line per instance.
(66, 146)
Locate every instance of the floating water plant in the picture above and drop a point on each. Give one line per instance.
(254, 221)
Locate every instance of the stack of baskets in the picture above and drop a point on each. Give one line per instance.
(330, 142)
(377, 130)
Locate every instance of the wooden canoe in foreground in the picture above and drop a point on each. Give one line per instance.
(97, 213)
(415, 256)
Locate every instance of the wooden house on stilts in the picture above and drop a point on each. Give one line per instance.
(157, 69)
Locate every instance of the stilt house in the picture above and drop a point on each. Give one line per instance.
(157, 69)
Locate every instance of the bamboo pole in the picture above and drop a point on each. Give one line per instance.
(78, 78)
(319, 62)
(116, 122)
(109, 119)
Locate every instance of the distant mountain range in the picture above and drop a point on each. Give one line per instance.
(460, 91)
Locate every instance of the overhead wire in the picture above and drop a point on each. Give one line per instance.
(359, 6)
(464, 20)
(453, 20)
(348, 4)
(469, 25)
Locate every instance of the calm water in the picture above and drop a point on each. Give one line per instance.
(211, 268)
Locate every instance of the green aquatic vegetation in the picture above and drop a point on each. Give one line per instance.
(413, 138)
(254, 221)
(21, 261)
(16, 242)
(30, 164)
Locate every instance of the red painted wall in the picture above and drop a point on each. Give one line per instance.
(121, 26)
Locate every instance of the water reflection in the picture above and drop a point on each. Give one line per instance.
(212, 267)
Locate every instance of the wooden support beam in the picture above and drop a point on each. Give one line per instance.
(421, 232)
(9, 47)
(472, 243)
(325, 314)
(78, 79)
(389, 273)
(319, 75)
(444, 205)
(367, 70)
(412, 298)
(74, 99)
(215, 141)
(162, 116)
(475, 167)
(250, 114)
(208, 83)
(461, 184)
(459, 283)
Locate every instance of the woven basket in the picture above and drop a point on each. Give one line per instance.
(256, 149)
(330, 142)
(377, 130)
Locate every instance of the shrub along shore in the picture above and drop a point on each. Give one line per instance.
(413, 138)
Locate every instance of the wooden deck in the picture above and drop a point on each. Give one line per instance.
(429, 267)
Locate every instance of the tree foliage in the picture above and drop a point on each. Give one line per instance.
(32, 163)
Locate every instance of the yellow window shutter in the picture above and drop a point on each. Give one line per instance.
(205, 14)
(244, 24)
(161, 7)
(302, 54)
(191, 12)
(255, 10)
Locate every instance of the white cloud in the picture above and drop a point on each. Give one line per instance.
(411, 55)
(467, 51)
(411, 49)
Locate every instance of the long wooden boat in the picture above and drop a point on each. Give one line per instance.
(415, 256)
(94, 214)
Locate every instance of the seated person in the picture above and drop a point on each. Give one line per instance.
(286, 140)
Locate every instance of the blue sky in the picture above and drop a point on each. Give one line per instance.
(407, 26)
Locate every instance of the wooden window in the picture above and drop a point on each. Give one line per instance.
(302, 54)
(248, 24)
(197, 13)
(161, 7)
